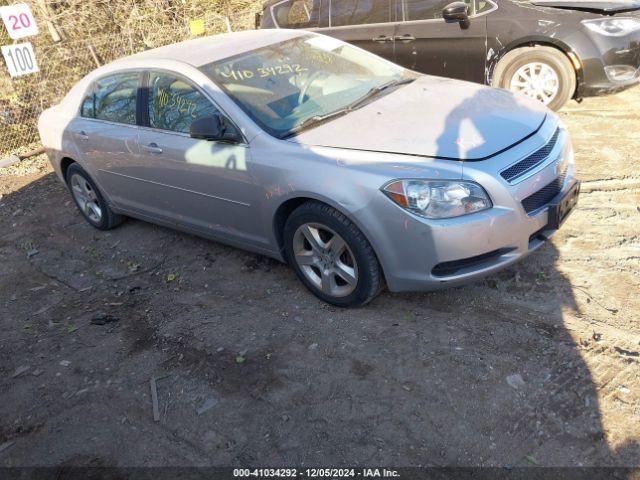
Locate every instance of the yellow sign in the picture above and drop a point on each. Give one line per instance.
(196, 27)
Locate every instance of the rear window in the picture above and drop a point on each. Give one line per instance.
(88, 105)
(297, 13)
(113, 99)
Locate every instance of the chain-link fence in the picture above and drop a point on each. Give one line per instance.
(64, 62)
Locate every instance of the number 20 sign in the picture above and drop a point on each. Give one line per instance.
(19, 20)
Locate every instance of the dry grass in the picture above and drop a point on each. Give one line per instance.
(107, 28)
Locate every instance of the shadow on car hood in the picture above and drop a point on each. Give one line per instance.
(434, 117)
(589, 6)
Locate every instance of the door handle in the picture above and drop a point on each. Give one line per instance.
(83, 135)
(382, 39)
(152, 148)
(405, 38)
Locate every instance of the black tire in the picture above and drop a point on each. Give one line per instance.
(554, 58)
(369, 282)
(108, 219)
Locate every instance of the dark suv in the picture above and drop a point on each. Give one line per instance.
(552, 50)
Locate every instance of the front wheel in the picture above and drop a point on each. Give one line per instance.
(331, 256)
(542, 73)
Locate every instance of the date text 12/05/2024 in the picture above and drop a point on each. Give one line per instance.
(316, 473)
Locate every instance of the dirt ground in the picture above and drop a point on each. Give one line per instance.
(537, 365)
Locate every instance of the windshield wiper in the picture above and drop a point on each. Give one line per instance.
(375, 91)
(317, 119)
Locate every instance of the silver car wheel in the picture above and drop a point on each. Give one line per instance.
(536, 80)
(325, 259)
(86, 198)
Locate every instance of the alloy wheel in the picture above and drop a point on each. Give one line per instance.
(537, 80)
(325, 259)
(86, 198)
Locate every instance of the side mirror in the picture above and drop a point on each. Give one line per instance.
(214, 128)
(207, 128)
(457, 12)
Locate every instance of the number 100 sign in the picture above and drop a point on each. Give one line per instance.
(20, 59)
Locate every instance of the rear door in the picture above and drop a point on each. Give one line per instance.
(425, 42)
(106, 131)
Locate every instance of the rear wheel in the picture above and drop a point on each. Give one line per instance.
(331, 256)
(542, 73)
(89, 200)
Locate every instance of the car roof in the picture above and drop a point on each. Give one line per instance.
(200, 51)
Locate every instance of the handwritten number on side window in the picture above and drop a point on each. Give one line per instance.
(176, 102)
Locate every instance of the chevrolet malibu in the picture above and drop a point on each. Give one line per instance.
(354, 170)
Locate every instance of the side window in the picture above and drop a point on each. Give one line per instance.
(483, 6)
(361, 12)
(424, 9)
(174, 104)
(87, 109)
(297, 13)
(115, 98)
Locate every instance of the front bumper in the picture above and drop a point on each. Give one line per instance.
(421, 255)
(610, 64)
(511, 248)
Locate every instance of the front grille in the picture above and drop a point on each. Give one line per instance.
(446, 269)
(543, 196)
(530, 162)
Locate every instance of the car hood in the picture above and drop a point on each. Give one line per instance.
(588, 6)
(434, 117)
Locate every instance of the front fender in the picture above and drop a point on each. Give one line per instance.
(497, 50)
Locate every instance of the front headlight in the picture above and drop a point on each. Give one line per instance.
(613, 27)
(438, 198)
(567, 151)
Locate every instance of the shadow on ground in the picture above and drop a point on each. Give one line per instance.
(253, 370)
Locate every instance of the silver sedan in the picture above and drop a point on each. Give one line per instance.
(357, 172)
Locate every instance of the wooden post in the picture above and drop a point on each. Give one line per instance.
(44, 11)
(95, 57)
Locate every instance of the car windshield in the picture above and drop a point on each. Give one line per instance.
(292, 85)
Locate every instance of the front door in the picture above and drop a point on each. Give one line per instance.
(425, 42)
(201, 184)
(367, 24)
